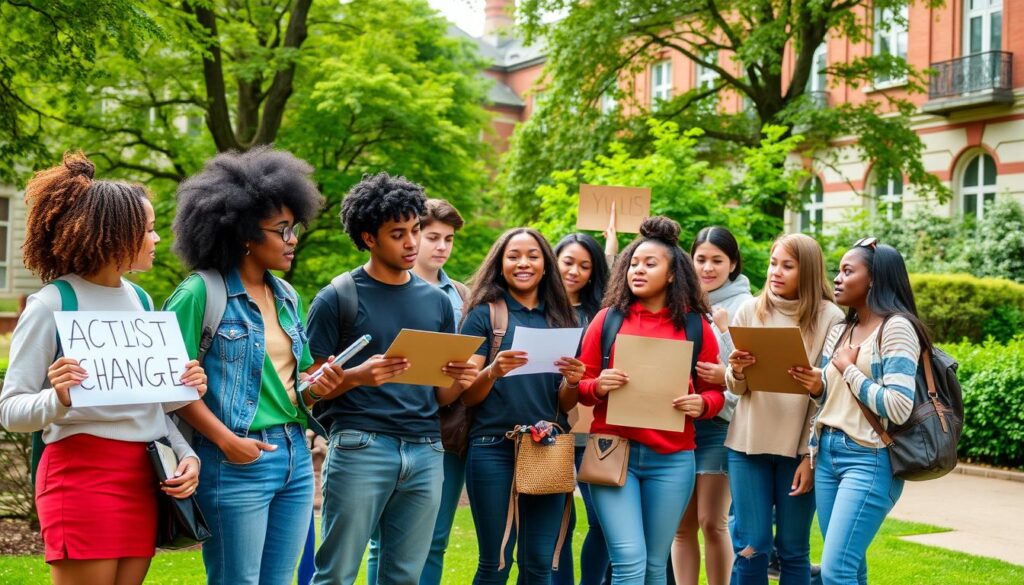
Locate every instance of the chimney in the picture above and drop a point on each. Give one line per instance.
(498, 18)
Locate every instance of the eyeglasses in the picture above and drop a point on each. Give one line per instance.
(867, 243)
(286, 232)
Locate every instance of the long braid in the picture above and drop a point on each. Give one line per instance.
(79, 225)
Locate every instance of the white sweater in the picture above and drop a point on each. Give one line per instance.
(28, 402)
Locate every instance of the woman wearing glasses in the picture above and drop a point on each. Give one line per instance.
(869, 361)
(240, 216)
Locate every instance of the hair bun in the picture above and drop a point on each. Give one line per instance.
(661, 228)
(78, 165)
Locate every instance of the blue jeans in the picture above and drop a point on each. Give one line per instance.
(451, 492)
(594, 566)
(489, 469)
(376, 481)
(855, 490)
(760, 485)
(640, 518)
(258, 512)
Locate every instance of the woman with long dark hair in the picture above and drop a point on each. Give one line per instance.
(870, 360)
(656, 290)
(716, 258)
(584, 270)
(520, 270)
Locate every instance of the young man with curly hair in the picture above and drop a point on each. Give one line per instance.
(384, 467)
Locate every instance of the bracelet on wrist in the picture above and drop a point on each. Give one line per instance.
(316, 397)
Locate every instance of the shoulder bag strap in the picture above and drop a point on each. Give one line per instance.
(213, 311)
(348, 307)
(872, 418)
(499, 326)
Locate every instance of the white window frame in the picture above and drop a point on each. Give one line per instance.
(985, 10)
(812, 207)
(5, 262)
(705, 77)
(984, 194)
(661, 89)
(896, 33)
(608, 103)
(886, 196)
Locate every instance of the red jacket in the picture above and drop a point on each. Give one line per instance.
(642, 322)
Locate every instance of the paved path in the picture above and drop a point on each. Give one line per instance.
(986, 515)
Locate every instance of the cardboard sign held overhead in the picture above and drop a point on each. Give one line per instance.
(632, 206)
(777, 349)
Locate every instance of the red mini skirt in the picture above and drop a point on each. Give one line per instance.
(97, 499)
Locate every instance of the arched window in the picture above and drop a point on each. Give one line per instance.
(812, 211)
(978, 186)
(888, 194)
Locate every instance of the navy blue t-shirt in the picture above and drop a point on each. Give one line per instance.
(384, 310)
(513, 400)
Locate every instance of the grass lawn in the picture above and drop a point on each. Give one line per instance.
(891, 561)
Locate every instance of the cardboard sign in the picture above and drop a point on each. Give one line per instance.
(777, 349)
(659, 372)
(632, 206)
(428, 352)
(132, 357)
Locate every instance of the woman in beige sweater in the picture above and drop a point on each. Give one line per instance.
(768, 467)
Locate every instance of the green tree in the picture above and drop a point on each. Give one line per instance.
(353, 87)
(691, 191)
(54, 42)
(743, 45)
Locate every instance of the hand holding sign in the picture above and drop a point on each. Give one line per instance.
(626, 206)
(123, 357)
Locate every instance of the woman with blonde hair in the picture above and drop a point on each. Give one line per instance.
(769, 471)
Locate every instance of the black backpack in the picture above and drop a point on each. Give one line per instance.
(924, 447)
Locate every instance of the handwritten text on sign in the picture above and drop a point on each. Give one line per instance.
(132, 357)
(632, 205)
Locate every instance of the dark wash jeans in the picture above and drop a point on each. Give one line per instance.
(489, 468)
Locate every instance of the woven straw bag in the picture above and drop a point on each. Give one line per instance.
(545, 469)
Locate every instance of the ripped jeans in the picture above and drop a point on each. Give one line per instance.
(760, 484)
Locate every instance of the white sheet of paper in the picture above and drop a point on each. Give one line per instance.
(544, 347)
(131, 357)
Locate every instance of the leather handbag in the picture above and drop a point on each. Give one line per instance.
(605, 460)
(180, 522)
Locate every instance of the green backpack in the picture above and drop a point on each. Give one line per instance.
(69, 302)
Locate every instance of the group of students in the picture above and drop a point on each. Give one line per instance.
(748, 470)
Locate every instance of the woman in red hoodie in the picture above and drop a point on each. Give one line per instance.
(655, 288)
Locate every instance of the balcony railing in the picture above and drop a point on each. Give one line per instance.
(974, 80)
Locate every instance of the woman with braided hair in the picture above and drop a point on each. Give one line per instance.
(95, 484)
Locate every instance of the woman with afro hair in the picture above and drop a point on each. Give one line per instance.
(241, 217)
(94, 487)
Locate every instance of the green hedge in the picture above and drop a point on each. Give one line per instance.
(958, 306)
(992, 377)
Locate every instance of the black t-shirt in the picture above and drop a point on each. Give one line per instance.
(513, 400)
(384, 310)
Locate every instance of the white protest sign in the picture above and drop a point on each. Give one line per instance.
(132, 357)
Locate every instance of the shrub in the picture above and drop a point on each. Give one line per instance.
(958, 306)
(992, 377)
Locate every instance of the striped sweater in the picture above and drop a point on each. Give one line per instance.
(887, 392)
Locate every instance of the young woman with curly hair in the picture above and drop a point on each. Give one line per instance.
(95, 487)
(655, 288)
(241, 217)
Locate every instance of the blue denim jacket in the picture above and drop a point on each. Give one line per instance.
(234, 363)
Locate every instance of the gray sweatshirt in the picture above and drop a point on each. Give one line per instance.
(28, 402)
(730, 296)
